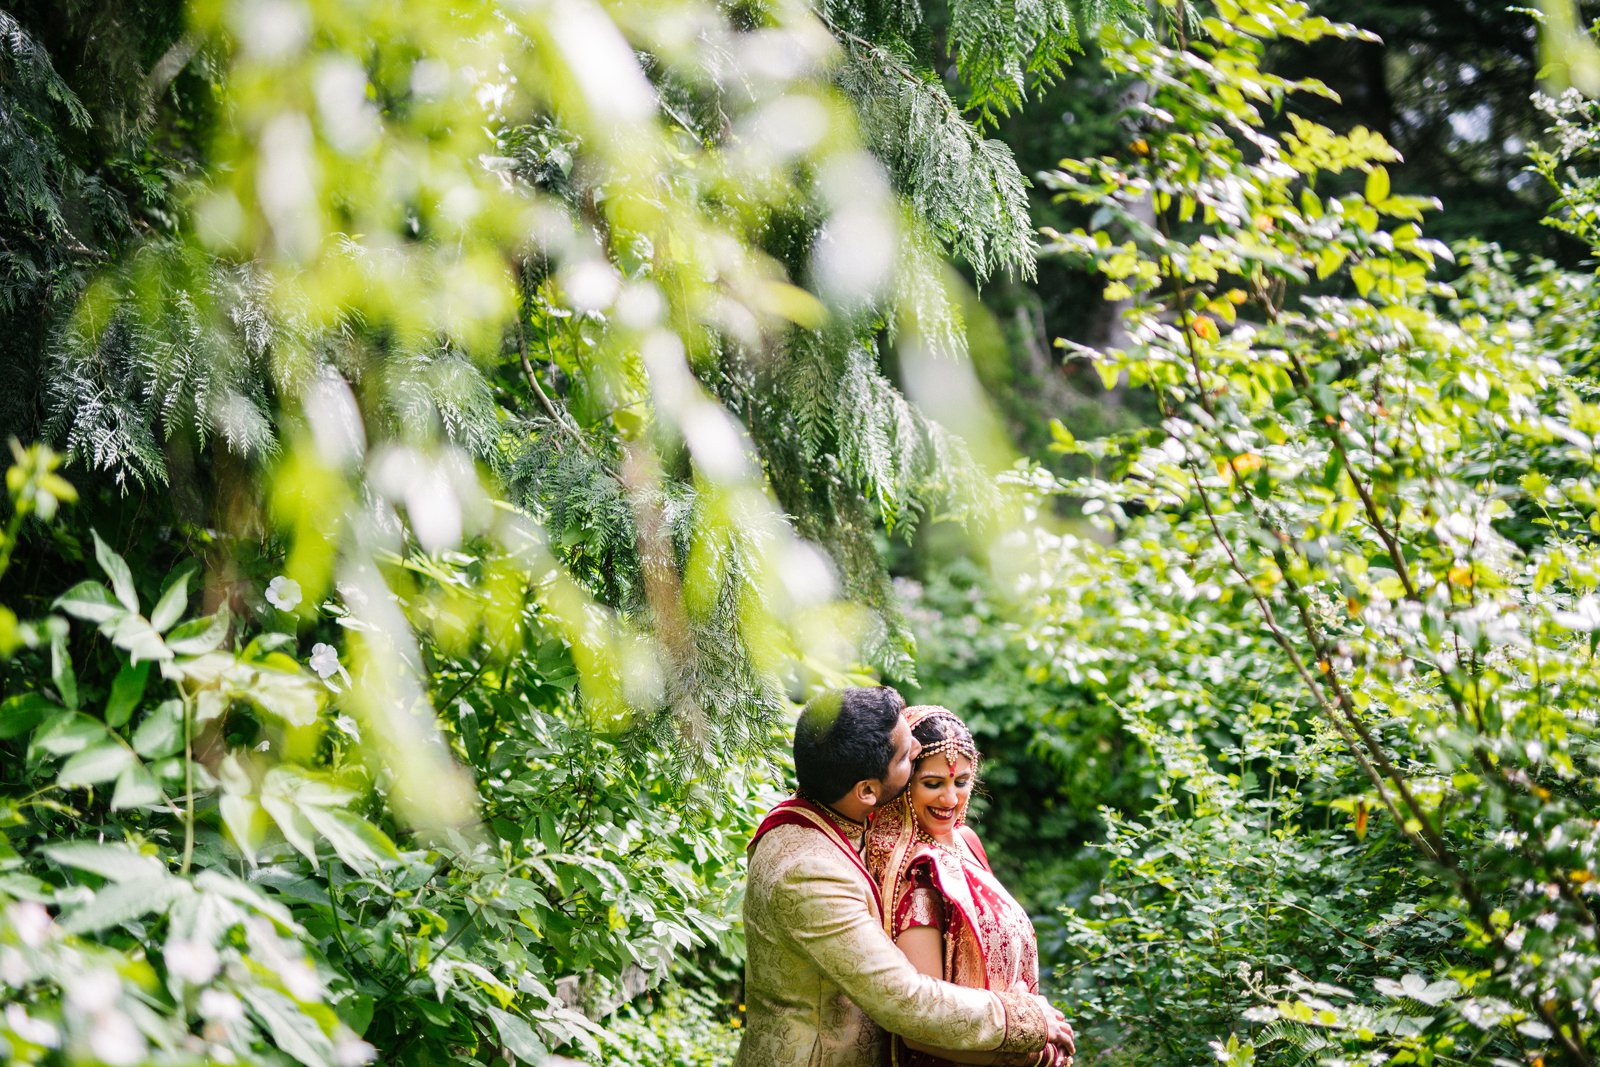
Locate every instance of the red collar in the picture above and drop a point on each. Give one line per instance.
(798, 811)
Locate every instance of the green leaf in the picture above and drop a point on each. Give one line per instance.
(169, 609)
(115, 863)
(123, 902)
(160, 734)
(242, 893)
(1109, 373)
(287, 694)
(290, 1028)
(360, 844)
(1330, 259)
(98, 763)
(136, 788)
(292, 824)
(355, 1011)
(23, 712)
(126, 690)
(116, 569)
(135, 634)
(10, 629)
(61, 672)
(66, 733)
(518, 1037)
(246, 822)
(89, 601)
(199, 636)
(1364, 278)
(1377, 185)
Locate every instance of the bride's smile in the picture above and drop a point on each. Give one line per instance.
(940, 790)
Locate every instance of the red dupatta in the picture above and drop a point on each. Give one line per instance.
(989, 924)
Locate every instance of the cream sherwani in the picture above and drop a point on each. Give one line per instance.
(823, 981)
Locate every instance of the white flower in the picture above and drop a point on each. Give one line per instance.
(353, 1052)
(221, 1007)
(1586, 619)
(283, 593)
(115, 1041)
(31, 922)
(95, 992)
(194, 962)
(325, 661)
(34, 1031)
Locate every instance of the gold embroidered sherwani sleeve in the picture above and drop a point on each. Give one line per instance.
(821, 908)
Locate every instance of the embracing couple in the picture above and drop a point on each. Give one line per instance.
(876, 933)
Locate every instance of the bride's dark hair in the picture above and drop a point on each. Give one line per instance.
(942, 731)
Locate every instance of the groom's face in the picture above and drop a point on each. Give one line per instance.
(898, 776)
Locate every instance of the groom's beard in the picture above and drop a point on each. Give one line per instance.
(893, 797)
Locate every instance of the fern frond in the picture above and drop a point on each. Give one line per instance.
(96, 409)
(886, 18)
(866, 444)
(969, 190)
(1008, 49)
(1305, 1043)
(925, 301)
(31, 69)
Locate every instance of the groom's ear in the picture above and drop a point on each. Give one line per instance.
(868, 791)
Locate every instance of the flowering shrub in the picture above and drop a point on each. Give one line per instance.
(1348, 603)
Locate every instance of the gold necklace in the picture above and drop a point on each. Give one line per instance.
(847, 826)
(958, 849)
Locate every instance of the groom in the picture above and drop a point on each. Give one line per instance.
(823, 982)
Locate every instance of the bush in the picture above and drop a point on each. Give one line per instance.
(678, 1027)
(1349, 605)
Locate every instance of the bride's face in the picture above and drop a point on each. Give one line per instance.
(939, 793)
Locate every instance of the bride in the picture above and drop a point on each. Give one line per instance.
(942, 904)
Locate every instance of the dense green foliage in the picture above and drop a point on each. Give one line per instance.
(1348, 607)
(451, 436)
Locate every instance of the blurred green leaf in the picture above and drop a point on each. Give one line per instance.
(127, 689)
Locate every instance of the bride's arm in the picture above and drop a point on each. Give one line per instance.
(924, 947)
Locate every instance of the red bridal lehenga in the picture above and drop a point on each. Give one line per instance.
(989, 941)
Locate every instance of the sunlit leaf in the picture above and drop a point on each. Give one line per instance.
(174, 599)
(99, 762)
(116, 569)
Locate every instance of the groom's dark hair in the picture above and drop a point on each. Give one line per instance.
(843, 738)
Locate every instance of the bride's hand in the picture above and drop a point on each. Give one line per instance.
(1060, 1035)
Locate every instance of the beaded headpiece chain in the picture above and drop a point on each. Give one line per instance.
(957, 744)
